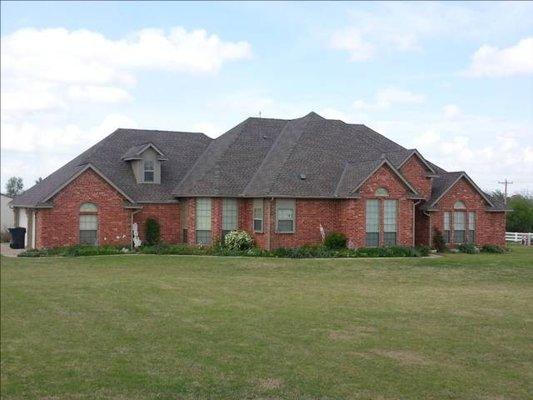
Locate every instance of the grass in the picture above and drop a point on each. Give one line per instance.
(184, 327)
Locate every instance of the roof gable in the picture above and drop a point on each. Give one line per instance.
(446, 181)
(135, 152)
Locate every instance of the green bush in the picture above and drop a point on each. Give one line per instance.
(493, 248)
(238, 240)
(438, 241)
(152, 231)
(423, 250)
(335, 241)
(468, 248)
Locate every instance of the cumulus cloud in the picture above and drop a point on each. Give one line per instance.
(490, 61)
(406, 27)
(54, 66)
(350, 39)
(385, 98)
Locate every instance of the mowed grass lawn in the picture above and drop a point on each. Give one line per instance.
(170, 327)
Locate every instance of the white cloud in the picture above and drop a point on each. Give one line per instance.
(350, 39)
(403, 26)
(98, 94)
(489, 61)
(332, 113)
(38, 137)
(487, 148)
(451, 111)
(51, 67)
(385, 98)
(208, 128)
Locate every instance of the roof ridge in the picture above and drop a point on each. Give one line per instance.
(265, 157)
(288, 154)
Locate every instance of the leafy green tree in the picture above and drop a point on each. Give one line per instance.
(152, 231)
(38, 180)
(520, 219)
(14, 186)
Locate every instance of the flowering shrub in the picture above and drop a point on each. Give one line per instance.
(238, 240)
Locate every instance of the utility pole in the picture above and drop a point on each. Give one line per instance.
(505, 183)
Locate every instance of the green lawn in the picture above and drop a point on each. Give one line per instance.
(170, 327)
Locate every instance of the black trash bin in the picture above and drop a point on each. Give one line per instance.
(17, 238)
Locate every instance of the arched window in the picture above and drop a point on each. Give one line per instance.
(88, 224)
(381, 192)
(459, 205)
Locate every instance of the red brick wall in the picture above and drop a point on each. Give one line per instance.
(490, 227)
(168, 216)
(59, 226)
(387, 179)
(422, 225)
(415, 172)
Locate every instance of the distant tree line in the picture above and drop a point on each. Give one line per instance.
(520, 218)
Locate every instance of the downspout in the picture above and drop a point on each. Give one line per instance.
(131, 227)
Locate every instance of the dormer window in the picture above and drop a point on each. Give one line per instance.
(145, 161)
(149, 170)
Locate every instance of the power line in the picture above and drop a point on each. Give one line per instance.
(505, 183)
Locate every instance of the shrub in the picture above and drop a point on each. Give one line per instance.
(438, 241)
(238, 240)
(493, 248)
(468, 248)
(335, 241)
(423, 250)
(152, 231)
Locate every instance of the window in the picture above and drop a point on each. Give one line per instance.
(88, 224)
(390, 208)
(459, 227)
(459, 205)
(149, 170)
(229, 216)
(447, 227)
(203, 220)
(285, 216)
(258, 215)
(381, 192)
(472, 227)
(372, 222)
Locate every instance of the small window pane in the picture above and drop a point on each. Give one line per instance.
(459, 226)
(203, 237)
(389, 217)
(229, 214)
(372, 239)
(389, 238)
(285, 215)
(88, 222)
(258, 215)
(372, 222)
(149, 171)
(381, 192)
(459, 205)
(88, 237)
(203, 220)
(88, 207)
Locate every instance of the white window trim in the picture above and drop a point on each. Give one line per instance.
(286, 204)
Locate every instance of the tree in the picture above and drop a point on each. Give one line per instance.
(38, 180)
(152, 231)
(14, 186)
(498, 195)
(520, 219)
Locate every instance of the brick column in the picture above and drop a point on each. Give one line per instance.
(216, 219)
(191, 221)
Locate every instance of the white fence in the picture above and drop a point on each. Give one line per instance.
(518, 237)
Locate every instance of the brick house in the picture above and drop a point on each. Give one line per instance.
(284, 181)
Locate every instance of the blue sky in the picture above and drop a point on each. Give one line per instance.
(453, 80)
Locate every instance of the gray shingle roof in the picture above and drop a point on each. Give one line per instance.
(183, 148)
(305, 157)
(266, 157)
